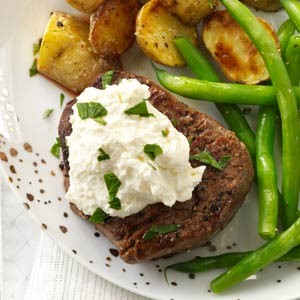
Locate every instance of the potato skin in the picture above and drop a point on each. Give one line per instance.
(190, 11)
(232, 49)
(155, 30)
(85, 6)
(112, 26)
(66, 55)
(267, 5)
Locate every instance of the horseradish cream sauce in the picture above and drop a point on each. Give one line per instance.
(129, 159)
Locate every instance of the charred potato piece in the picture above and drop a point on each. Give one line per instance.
(190, 11)
(86, 6)
(113, 25)
(66, 55)
(233, 50)
(267, 5)
(155, 30)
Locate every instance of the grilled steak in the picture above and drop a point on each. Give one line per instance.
(214, 202)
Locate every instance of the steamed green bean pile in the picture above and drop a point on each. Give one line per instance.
(281, 97)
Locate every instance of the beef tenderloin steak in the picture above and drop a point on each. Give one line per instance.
(214, 202)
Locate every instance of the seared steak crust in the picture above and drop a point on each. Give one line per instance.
(214, 202)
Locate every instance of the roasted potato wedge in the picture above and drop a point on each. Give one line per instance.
(66, 55)
(85, 6)
(267, 5)
(190, 11)
(155, 30)
(113, 25)
(233, 50)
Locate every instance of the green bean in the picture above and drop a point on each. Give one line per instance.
(285, 31)
(292, 59)
(268, 194)
(236, 121)
(266, 173)
(223, 261)
(220, 92)
(194, 59)
(292, 8)
(270, 200)
(231, 113)
(286, 102)
(260, 258)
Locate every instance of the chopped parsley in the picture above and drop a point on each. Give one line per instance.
(36, 48)
(102, 155)
(99, 216)
(107, 78)
(159, 229)
(100, 121)
(55, 149)
(191, 139)
(151, 166)
(224, 161)
(61, 99)
(206, 158)
(33, 70)
(112, 184)
(92, 110)
(140, 110)
(47, 113)
(115, 203)
(152, 150)
(165, 132)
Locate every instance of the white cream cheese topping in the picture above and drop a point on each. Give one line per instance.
(167, 179)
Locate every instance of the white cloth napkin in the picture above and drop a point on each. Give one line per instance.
(56, 276)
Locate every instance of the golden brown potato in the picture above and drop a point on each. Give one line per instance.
(190, 11)
(267, 5)
(155, 30)
(232, 49)
(86, 6)
(113, 25)
(66, 55)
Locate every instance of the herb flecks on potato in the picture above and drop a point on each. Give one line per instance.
(113, 25)
(156, 29)
(190, 11)
(66, 55)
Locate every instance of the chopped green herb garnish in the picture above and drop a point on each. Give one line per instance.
(152, 150)
(100, 121)
(206, 158)
(36, 48)
(33, 70)
(191, 139)
(99, 216)
(91, 110)
(159, 229)
(61, 99)
(140, 110)
(47, 113)
(112, 184)
(224, 161)
(165, 132)
(151, 166)
(174, 122)
(115, 203)
(107, 78)
(55, 149)
(103, 155)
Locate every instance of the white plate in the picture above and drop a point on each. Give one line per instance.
(35, 177)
